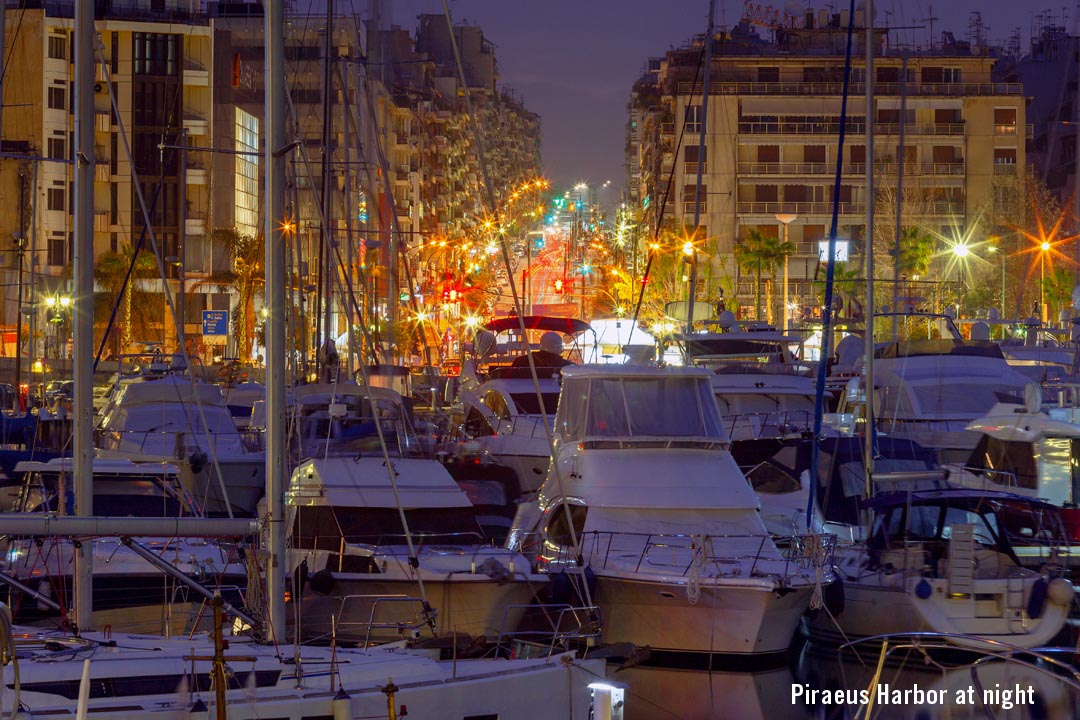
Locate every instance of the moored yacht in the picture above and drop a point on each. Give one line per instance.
(345, 523)
(946, 561)
(664, 520)
(178, 419)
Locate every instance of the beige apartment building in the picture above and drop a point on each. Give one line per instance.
(158, 62)
(772, 142)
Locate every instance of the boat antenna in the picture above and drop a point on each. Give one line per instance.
(830, 271)
(868, 313)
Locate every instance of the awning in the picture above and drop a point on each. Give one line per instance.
(792, 106)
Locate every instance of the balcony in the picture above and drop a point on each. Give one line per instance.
(881, 89)
(101, 222)
(946, 207)
(195, 74)
(920, 128)
(101, 171)
(196, 125)
(797, 168)
(102, 121)
(195, 224)
(799, 208)
(196, 174)
(799, 127)
(1004, 168)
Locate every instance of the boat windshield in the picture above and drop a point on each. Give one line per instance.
(527, 404)
(681, 407)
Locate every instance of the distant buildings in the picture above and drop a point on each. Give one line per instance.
(188, 85)
(772, 143)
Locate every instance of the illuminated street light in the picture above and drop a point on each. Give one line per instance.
(961, 250)
(786, 219)
(1045, 247)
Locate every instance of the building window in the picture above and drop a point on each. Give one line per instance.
(768, 74)
(247, 173)
(57, 98)
(56, 199)
(1004, 121)
(56, 254)
(951, 75)
(114, 202)
(693, 119)
(115, 59)
(155, 54)
(690, 158)
(57, 149)
(114, 242)
(57, 47)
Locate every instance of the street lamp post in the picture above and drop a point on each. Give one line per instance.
(1044, 248)
(786, 219)
(961, 251)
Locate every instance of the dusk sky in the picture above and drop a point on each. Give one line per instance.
(574, 62)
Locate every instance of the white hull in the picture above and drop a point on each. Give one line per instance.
(727, 619)
(526, 468)
(476, 605)
(870, 609)
(551, 688)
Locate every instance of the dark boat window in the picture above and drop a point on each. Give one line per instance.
(558, 530)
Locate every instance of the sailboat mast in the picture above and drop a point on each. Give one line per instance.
(868, 372)
(274, 147)
(698, 199)
(84, 301)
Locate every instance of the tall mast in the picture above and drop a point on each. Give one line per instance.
(83, 261)
(868, 351)
(274, 23)
(698, 199)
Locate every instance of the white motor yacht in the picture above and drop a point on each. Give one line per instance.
(504, 422)
(345, 523)
(665, 522)
(178, 419)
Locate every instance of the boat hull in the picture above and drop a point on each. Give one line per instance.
(727, 619)
(871, 609)
(473, 604)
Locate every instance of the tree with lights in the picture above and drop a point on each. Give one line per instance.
(760, 253)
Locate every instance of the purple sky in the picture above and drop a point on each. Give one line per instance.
(574, 61)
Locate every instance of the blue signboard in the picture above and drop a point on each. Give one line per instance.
(215, 322)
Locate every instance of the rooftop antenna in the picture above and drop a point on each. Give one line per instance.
(930, 21)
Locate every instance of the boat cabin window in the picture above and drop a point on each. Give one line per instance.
(932, 522)
(324, 527)
(127, 496)
(672, 406)
(497, 403)
(986, 529)
(557, 529)
(1006, 462)
(476, 424)
(527, 404)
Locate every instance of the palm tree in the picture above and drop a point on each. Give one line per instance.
(759, 253)
(845, 284)
(1058, 286)
(245, 277)
(917, 249)
(110, 269)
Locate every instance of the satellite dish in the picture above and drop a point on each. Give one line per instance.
(1033, 397)
(980, 331)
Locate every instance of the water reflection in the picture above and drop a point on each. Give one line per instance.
(664, 694)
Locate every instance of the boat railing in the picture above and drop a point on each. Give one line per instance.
(681, 552)
(1000, 477)
(403, 614)
(1042, 659)
(566, 624)
(175, 444)
(768, 424)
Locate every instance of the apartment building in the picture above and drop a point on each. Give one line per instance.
(156, 63)
(772, 142)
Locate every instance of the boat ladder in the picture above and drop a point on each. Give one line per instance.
(962, 560)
